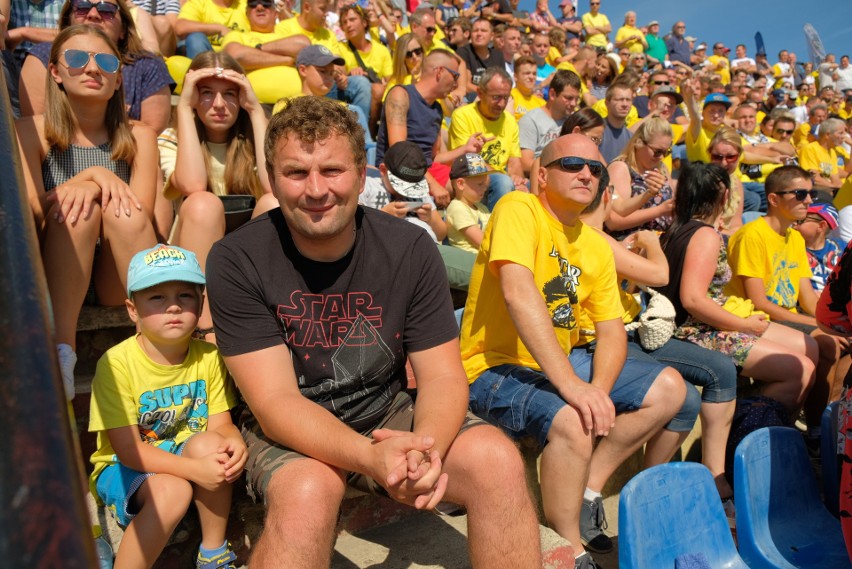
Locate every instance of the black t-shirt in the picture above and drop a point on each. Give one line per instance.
(349, 324)
(476, 65)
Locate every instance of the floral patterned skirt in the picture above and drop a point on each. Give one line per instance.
(736, 345)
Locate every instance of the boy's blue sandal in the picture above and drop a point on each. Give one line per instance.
(224, 560)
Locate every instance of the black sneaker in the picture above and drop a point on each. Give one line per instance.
(592, 524)
(585, 561)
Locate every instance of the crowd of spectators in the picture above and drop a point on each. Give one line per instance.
(724, 180)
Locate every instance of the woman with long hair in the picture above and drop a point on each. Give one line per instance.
(91, 177)
(781, 358)
(214, 154)
(600, 75)
(407, 61)
(144, 76)
(642, 182)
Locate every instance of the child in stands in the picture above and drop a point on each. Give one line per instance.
(160, 406)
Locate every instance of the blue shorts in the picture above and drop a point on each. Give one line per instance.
(523, 402)
(117, 484)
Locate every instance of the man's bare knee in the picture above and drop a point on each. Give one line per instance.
(567, 429)
(668, 389)
(307, 488)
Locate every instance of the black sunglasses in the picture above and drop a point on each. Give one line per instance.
(659, 152)
(575, 164)
(264, 3)
(800, 194)
(106, 10)
(413, 52)
(785, 131)
(661, 82)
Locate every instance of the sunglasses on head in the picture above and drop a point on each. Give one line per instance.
(575, 164)
(78, 59)
(413, 52)
(105, 10)
(800, 194)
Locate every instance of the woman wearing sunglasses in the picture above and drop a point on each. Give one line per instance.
(725, 150)
(407, 62)
(213, 160)
(642, 182)
(91, 175)
(779, 357)
(145, 78)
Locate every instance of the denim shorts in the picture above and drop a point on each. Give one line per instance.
(523, 402)
(117, 484)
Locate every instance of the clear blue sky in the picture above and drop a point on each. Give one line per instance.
(736, 21)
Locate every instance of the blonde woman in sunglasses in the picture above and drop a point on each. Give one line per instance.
(91, 177)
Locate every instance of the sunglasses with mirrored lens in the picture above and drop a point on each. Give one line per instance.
(413, 52)
(800, 194)
(659, 152)
(575, 164)
(106, 10)
(78, 59)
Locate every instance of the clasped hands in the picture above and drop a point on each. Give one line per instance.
(409, 468)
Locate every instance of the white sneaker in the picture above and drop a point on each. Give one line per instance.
(730, 512)
(67, 361)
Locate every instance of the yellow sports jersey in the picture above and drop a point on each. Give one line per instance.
(572, 267)
(781, 261)
(634, 44)
(378, 58)
(595, 40)
(632, 115)
(208, 12)
(724, 72)
(467, 121)
(524, 104)
(814, 157)
(322, 36)
(696, 150)
(167, 403)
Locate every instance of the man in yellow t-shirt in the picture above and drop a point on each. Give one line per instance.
(202, 24)
(596, 26)
(718, 63)
(499, 129)
(820, 157)
(267, 56)
(630, 36)
(538, 265)
(703, 123)
(524, 98)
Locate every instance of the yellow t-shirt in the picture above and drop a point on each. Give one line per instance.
(725, 72)
(553, 56)
(436, 39)
(208, 12)
(814, 157)
(168, 403)
(781, 261)
(322, 36)
(571, 266)
(595, 40)
(630, 120)
(461, 216)
(696, 150)
(524, 104)
(634, 45)
(802, 136)
(378, 58)
(269, 83)
(467, 121)
(843, 113)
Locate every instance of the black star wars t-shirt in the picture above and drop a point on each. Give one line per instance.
(348, 324)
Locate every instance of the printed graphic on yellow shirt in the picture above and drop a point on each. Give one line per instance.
(158, 411)
(560, 293)
(495, 154)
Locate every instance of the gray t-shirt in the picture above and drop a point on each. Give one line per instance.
(614, 141)
(537, 129)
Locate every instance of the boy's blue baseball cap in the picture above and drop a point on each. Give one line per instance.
(161, 264)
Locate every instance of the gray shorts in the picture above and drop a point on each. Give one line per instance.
(265, 456)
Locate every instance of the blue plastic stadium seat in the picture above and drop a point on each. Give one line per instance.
(781, 521)
(671, 510)
(830, 462)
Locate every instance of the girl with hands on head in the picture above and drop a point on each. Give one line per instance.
(213, 161)
(91, 178)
